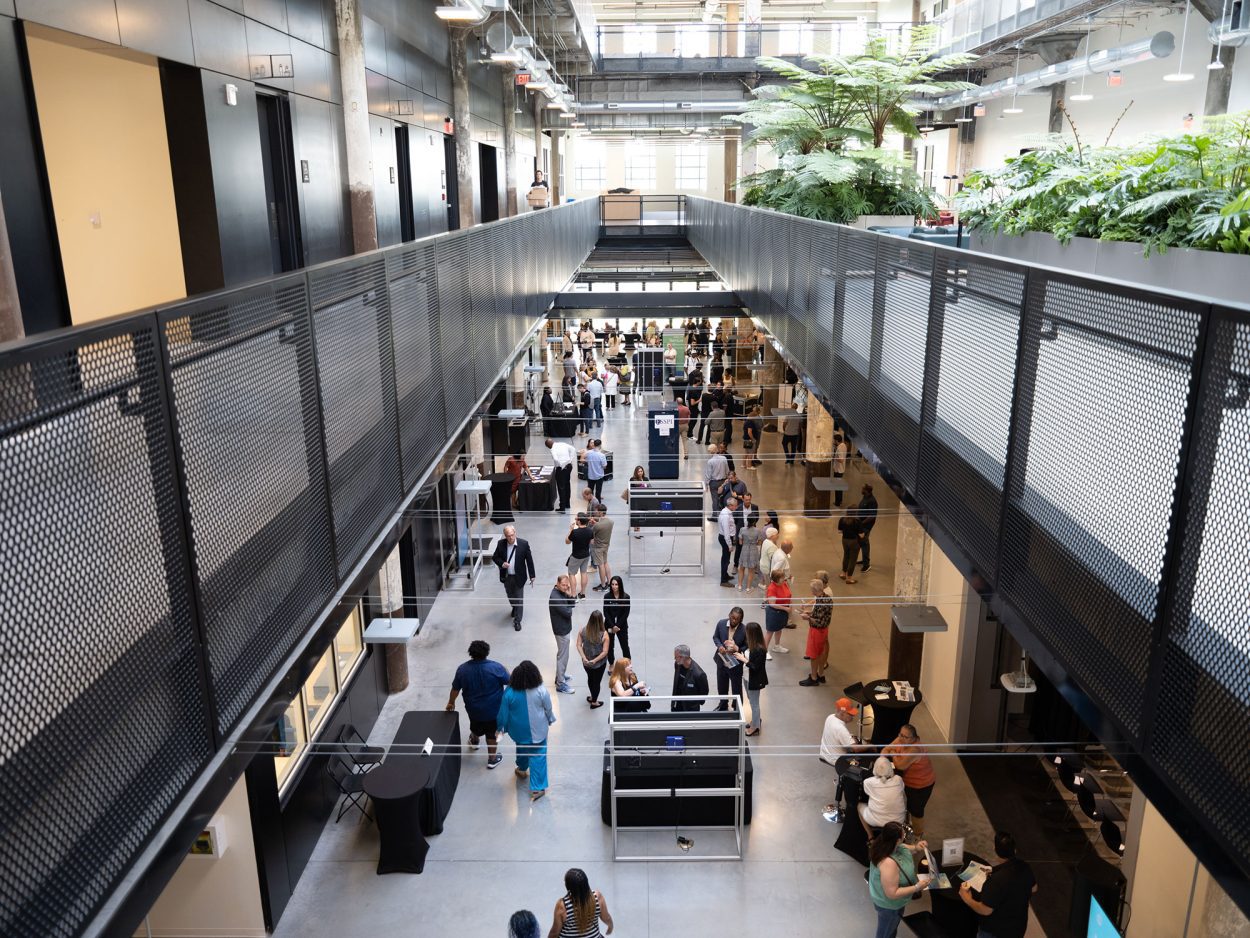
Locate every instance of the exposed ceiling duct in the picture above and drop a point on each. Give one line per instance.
(661, 107)
(1159, 46)
(1232, 30)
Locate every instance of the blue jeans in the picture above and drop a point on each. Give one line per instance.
(754, 697)
(533, 756)
(887, 922)
(599, 410)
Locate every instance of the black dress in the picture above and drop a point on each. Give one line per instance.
(616, 615)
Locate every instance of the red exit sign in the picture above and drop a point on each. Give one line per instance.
(523, 78)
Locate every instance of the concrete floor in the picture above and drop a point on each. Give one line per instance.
(499, 853)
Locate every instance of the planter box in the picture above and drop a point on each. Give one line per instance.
(884, 221)
(1203, 273)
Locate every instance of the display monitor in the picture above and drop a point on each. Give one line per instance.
(1100, 924)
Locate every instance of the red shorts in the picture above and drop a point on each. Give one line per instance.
(817, 642)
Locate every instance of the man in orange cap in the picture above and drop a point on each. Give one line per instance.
(837, 741)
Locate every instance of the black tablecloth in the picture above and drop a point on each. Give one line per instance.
(562, 422)
(949, 911)
(501, 497)
(672, 812)
(852, 839)
(888, 716)
(607, 472)
(412, 792)
(536, 496)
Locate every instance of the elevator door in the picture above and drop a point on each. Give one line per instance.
(488, 182)
(451, 185)
(278, 157)
(403, 169)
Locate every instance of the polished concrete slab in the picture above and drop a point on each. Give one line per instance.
(499, 852)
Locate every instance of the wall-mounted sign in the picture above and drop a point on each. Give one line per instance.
(271, 66)
(523, 78)
(405, 107)
(449, 125)
(303, 170)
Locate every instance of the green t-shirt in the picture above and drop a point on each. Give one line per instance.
(906, 877)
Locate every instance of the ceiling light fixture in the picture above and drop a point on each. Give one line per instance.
(1014, 81)
(978, 110)
(1084, 95)
(1216, 64)
(1180, 74)
(963, 117)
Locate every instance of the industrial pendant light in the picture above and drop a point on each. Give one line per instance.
(1215, 64)
(963, 117)
(1180, 75)
(1013, 109)
(928, 123)
(1085, 96)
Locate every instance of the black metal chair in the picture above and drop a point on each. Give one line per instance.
(857, 693)
(364, 757)
(351, 786)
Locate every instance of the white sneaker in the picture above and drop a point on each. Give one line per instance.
(784, 651)
(768, 656)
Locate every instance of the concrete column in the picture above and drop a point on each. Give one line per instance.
(463, 134)
(771, 378)
(911, 584)
(509, 141)
(356, 125)
(819, 458)
(753, 15)
(11, 326)
(1055, 122)
(731, 29)
(555, 167)
(1220, 81)
(391, 597)
(731, 168)
(745, 353)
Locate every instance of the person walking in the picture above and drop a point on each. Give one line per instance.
(525, 714)
(581, 909)
(725, 530)
(579, 538)
(753, 436)
(560, 607)
(524, 924)
(749, 540)
(482, 682)
(596, 467)
(866, 514)
(592, 648)
(818, 611)
(1003, 902)
(754, 659)
(791, 430)
(848, 527)
(912, 762)
(729, 638)
(616, 617)
(892, 878)
(516, 566)
(563, 456)
(840, 453)
(596, 390)
(599, 543)
(776, 612)
(689, 680)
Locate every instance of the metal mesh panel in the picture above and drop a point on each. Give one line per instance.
(967, 415)
(452, 256)
(1101, 539)
(418, 382)
(856, 289)
(776, 234)
(245, 400)
(483, 340)
(822, 308)
(1206, 650)
(104, 722)
(801, 274)
(356, 375)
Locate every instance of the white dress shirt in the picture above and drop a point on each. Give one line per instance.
(725, 525)
(562, 454)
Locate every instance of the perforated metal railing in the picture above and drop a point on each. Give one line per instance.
(1085, 444)
(182, 491)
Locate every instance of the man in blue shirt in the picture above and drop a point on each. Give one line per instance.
(482, 681)
(596, 467)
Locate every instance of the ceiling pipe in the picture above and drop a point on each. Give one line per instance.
(1232, 30)
(1159, 46)
(661, 107)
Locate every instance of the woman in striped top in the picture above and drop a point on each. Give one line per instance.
(581, 909)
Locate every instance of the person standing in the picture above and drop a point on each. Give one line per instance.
(781, 560)
(892, 878)
(560, 607)
(599, 544)
(755, 661)
(818, 613)
(746, 512)
(595, 388)
(611, 382)
(749, 540)
(776, 612)
(569, 365)
(482, 682)
(616, 617)
(586, 339)
(725, 535)
(581, 909)
(585, 410)
(848, 527)
(516, 565)
(767, 549)
(1003, 902)
(579, 538)
(914, 765)
(840, 452)
(731, 486)
(866, 514)
(596, 468)
(525, 714)
(715, 471)
(516, 466)
(683, 425)
(547, 407)
(689, 680)
(592, 648)
(563, 456)
(791, 430)
(729, 638)
(753, 435)
(716, 424)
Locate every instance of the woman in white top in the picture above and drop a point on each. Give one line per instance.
(611, 380)
(886, 799)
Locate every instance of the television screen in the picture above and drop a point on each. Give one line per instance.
(1100, 925)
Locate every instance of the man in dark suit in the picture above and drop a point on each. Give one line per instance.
(867, 513)
(729, 636)
(516, 565)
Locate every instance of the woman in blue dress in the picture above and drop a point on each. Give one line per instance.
(525, 714)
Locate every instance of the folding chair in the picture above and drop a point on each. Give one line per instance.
(363, 757)
(350, 784)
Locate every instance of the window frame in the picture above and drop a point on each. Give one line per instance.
(636, 152)
(680, 167)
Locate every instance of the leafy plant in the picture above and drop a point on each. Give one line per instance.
(1189, 190)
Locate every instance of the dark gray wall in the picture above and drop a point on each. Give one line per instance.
(385, 180)
(317, 128)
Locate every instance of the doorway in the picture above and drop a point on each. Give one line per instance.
(488, 182)
(403, 167)
(277, 151)
(450, 183)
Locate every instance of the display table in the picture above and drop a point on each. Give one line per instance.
(889, 715)
(949, 911)
(673, 771)
(852, 770)
(412, 792)
(562, 422)
(500, 497)
(607, 472)
(537, 491)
